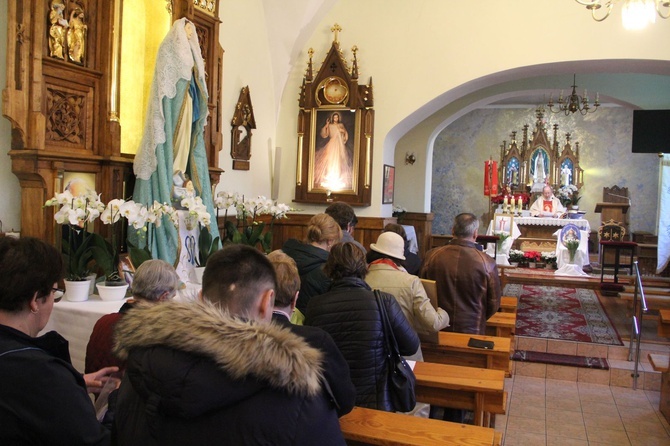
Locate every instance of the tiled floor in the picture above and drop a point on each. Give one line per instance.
(552, 412)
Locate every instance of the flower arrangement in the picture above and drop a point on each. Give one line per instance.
(245, 231)
(516, 256)
(572, 247)
(398, 212)
(83, 249)
(532, 256)
(549, 258)
(79, 244)
(502, 236)
(568, 195)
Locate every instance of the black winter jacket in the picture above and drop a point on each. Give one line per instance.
(310, 261)
(43, 399)
(349, 313)
(198, 376)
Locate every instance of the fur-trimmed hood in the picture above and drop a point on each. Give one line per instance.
(267, 352)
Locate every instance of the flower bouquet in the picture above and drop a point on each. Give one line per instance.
(516, 256)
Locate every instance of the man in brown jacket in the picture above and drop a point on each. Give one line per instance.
(468, 286)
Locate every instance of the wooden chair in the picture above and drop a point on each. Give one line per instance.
(611, 236)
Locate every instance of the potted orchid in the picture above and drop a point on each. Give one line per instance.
(79, 246)
(143, 220)
(250, 232)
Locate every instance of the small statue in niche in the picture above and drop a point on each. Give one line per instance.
(57, 30)
(566, 174)
(76, 36)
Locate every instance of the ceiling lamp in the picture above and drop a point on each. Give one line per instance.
(573, 103)
(635, 14)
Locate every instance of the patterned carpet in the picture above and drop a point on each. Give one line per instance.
(562, 313)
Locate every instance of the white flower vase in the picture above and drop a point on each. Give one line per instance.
(77, 290)
(112, 292)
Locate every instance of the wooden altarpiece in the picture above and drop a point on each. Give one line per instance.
(62, 97)
(333, 103)
(527, 166)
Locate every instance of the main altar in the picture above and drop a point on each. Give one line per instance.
(526, 167)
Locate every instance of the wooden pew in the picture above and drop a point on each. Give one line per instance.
(509, 304)
(457, 387)
(374, 427)
(501, 324)
(661, 363)
(664, 323)
(452, 348)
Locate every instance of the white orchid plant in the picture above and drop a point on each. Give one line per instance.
(81, 246)
(245, 231)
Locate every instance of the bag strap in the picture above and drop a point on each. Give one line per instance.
(389, 337)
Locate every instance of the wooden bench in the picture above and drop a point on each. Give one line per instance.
(457, 387)
(664, 323)
(661, 363)
(656, 299)
(502, 325)
(373, 427)
(509, 304)
(452, 348)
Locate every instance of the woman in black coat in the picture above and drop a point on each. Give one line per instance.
(349, 313)
(310, 256)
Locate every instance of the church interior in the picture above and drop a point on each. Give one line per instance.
(441, 108)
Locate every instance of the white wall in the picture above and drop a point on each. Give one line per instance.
(423, 55)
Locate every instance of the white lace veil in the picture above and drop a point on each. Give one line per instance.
(177, 55)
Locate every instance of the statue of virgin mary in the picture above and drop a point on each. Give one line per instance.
(173, 145)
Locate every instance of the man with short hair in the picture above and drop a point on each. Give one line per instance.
(547, 205)
(335, 367)
(217, 370)
(345, 217)
(468, 286)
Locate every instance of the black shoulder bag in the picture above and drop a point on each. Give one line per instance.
(401, 379)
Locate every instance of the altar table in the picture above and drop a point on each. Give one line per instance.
(545, 227)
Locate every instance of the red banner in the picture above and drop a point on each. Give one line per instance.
(490, 178)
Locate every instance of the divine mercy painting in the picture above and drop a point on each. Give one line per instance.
(334, 136)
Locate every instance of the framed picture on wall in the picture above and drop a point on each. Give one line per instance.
(334, 151)
(389, 182)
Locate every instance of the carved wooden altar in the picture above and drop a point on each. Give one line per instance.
(527, 165)
(62, 97)
(328, 100)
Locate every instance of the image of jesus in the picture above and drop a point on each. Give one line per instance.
(333, 164)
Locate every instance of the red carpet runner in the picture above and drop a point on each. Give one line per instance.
(568, 314)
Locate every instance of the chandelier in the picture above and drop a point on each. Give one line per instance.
(573, 103)
(635, 14)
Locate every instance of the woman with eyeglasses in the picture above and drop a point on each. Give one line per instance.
(154, 281)
(43, 399)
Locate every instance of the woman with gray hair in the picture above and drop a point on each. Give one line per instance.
(154, 281)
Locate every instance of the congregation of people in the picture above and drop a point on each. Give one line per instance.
(274, 350)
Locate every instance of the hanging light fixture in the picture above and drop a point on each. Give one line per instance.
(573, 103)
(635, 14)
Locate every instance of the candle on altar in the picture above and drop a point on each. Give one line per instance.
(513, 202)
(506, 200)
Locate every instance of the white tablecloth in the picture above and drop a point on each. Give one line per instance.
(581, 223)
(75, 320)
